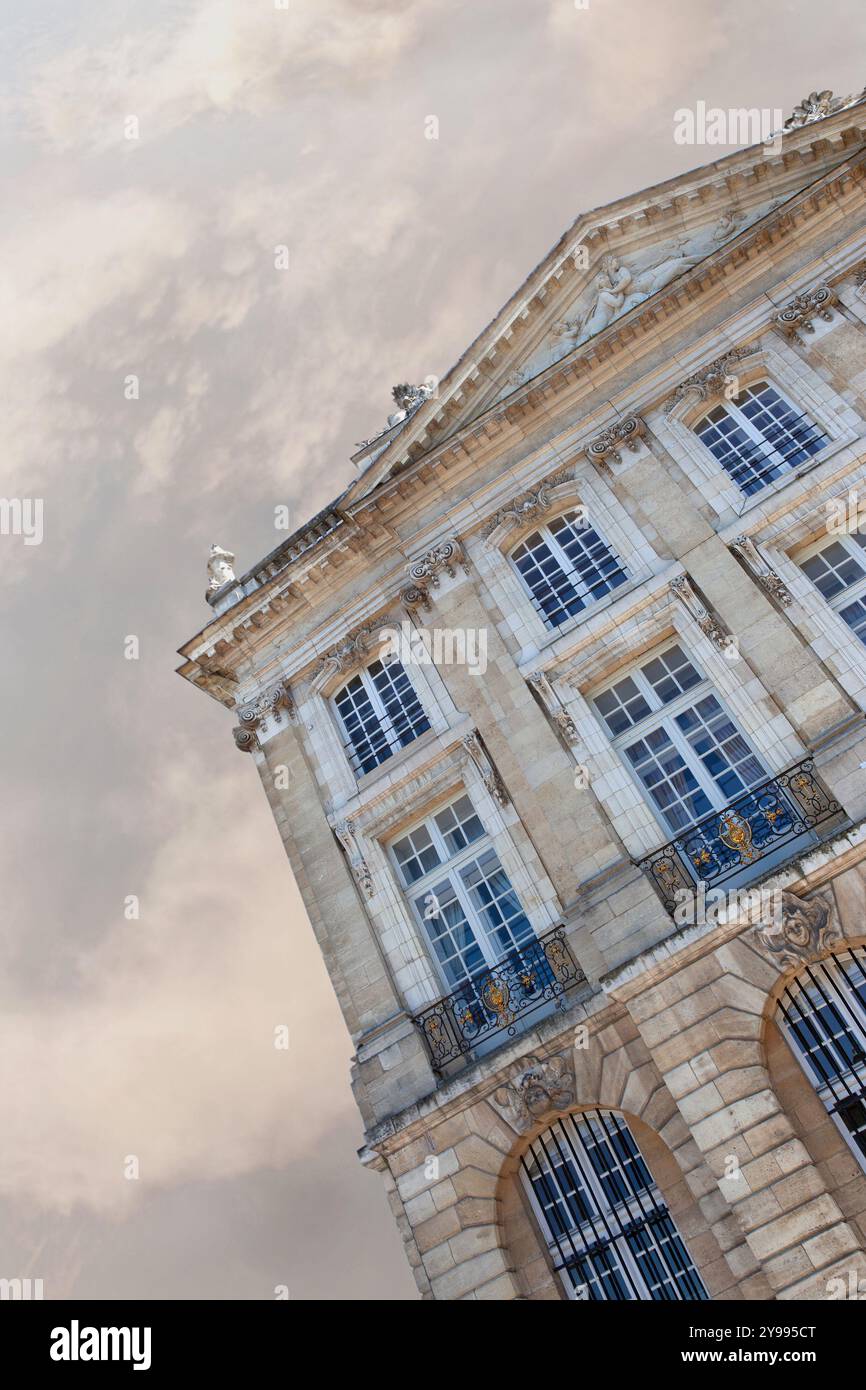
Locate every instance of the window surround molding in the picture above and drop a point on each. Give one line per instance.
(511, 525)
(318, 717)
(448, 774)
(667, 620)
(777, 362)
(782, 542)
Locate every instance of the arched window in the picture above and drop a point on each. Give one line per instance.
(823, 1015)
(380, 713)
(608, 1230)
(566, 566)
(759, 436)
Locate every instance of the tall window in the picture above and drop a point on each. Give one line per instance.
(838, 571)
(380, 713)
(460, 893)
(759, 436)
(823, 1014)
(680, 744)
(566, 566)
(608, 1230)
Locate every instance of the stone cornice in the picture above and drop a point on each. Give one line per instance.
(279, 593)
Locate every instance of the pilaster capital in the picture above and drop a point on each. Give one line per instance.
(608, 445)
(271, 703)
(766, 576)
(796, 318)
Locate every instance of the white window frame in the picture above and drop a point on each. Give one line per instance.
(384, 720)
(449, 867)
(630, 1209)
(854, 1014)
(855, 591)
(568, 567)
(732, 409)
(659, 716)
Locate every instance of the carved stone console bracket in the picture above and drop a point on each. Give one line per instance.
(347, 835)
(271, 703)
(767, 577)
(796, 317)
(712, 379)
(528, 505)
(552, 703)
(608, 445)
(424, 573)
(346, 654)
(710, 625)
(490, 777)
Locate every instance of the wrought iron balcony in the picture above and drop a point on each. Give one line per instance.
(496, 999)
(759, 824)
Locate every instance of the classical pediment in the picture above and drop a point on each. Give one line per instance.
(611, 262)
(619, 283)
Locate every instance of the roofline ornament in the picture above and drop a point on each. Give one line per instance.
(798, 315)
(711, 380)
(817, 105)
(766, 576)
(528, 505)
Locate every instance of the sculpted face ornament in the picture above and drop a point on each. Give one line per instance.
(540, 1085)
(802, 930)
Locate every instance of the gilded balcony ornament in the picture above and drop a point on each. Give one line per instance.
(736, 832)
(495, 994)
(539, 972)
(783, 812)
(797, 317)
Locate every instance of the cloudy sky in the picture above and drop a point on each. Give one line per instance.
(154, 158)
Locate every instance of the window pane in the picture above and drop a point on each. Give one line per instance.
(459, 825)
(496, 902)
(671, 784)
(402, 705)
(559, 591)
(621, 706)
(416, 855)
(368, 744)
(451, 936)
(786, 437)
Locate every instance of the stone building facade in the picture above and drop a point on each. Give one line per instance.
(561, 712)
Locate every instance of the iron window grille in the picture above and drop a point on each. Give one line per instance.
(838, 571)
(494, 1001)
(380, 714)
(823, 1015)
(608, 1231)
(566, 566)
(759, 436)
